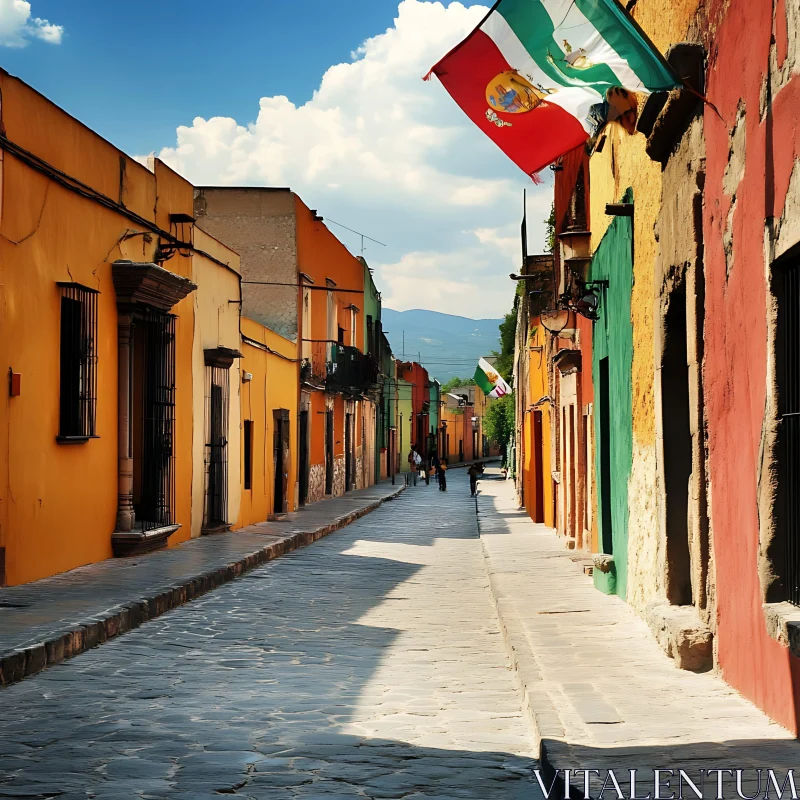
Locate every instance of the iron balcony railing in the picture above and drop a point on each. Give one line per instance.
(339, 367)
(350, 370)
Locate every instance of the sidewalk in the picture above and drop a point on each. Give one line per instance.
(49, 620)
(598, 689)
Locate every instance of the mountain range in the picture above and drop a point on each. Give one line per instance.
(448, 346)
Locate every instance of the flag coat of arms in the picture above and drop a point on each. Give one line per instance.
(540, 77)
(490, 381)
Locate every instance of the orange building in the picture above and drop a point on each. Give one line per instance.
(301, 283)
(106, 340)
(457, 424)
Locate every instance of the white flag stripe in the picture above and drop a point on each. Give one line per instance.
(575, 101)
(567, 17)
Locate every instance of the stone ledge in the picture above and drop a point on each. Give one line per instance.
(138, 543)
(602, 562)
(682, 635)
(783, 625)
(19, 663)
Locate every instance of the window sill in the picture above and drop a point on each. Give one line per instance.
(783, 624)
(74, 439)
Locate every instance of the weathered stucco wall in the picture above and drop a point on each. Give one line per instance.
(752, 152)
(624, 163)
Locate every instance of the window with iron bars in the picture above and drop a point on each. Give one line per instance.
(78, 364)
(787, 285)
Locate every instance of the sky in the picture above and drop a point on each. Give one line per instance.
(323, 96)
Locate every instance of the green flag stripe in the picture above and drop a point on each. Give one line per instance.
(483, 382)
(615, 27)
(534, 28)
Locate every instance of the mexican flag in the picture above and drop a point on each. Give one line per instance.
(540, 77)
(488, 379)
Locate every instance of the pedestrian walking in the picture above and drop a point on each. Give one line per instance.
(413, 466)
(443, 475)
(473, 472)
(435, 469)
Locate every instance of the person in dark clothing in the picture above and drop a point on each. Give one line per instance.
(443, 475)
(473, 473)
(435, 468)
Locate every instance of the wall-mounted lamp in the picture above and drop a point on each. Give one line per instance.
(585, 300)
(247, 377)
(576, 252)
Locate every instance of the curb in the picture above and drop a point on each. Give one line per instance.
(23, 662)
(542, 716)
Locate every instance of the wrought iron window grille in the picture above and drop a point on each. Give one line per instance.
(155, 332)
(78, 364)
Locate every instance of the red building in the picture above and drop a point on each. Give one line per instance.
(751, 222)
(419, 379)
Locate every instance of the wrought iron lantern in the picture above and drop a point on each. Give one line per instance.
(580, 294)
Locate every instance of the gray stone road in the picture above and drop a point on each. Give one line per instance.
(369, 664)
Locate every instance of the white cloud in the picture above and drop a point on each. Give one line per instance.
(470, 281)
(381, 151)
(17, 27)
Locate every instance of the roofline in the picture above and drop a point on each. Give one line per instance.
(244, 188)
(92, 131)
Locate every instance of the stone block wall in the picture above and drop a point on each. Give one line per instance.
(260, 225)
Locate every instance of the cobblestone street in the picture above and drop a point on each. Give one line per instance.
(369, 664)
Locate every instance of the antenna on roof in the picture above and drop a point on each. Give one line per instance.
(358, 233)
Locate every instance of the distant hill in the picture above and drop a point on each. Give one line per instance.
(446, 345)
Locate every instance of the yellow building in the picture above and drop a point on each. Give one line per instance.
(216, 385)
(270, 377)
(539, 491)
(102, 331)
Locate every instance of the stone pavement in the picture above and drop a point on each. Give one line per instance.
(44, 622)
(598, 689)
(368, 666)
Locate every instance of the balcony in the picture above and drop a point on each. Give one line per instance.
(350, 370)
(337, 367)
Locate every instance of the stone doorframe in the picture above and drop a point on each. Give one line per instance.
(140, 287)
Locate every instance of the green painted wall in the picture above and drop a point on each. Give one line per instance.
(613, 339)
(435, 395)
(405, 422)
(372, 310)
(372, 300)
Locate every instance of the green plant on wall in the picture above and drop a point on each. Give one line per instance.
(498, 421)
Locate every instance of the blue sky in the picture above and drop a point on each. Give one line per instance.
(134, 71)
(201, 85)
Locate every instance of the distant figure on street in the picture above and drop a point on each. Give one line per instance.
(413, 463)
(443, 475)
(435, 468)
(473, 472)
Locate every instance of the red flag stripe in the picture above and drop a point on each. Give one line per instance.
(535, 138)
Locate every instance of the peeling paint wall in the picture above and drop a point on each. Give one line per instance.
(623, 163)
